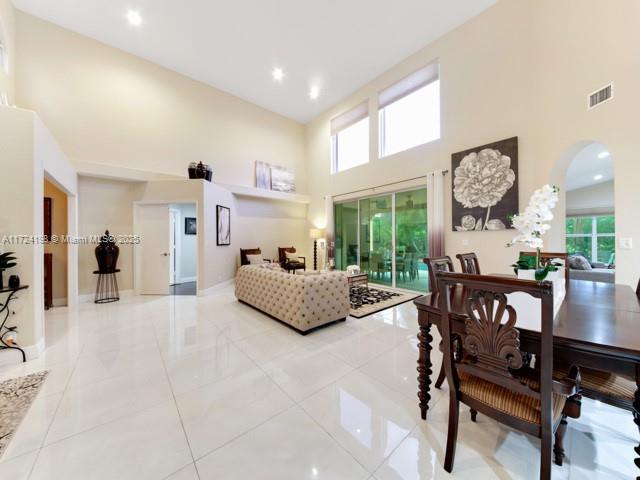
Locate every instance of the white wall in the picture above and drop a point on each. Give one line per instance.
(594, 199)
(105, 205)
(521, 68)
(27, 149)
(187, 245)
(7, 33)
(112, 108)
(270, 224)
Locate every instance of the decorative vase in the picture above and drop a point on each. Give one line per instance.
(200, 170)
(557, 278)
(192, 170)
(14, 281)
(107, 254)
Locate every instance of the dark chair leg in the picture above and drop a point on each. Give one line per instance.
(452, 434)
(441, 377)
(474, 415)
(558, 448)
(545, 455)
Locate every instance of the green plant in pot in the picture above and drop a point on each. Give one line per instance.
(7, 261)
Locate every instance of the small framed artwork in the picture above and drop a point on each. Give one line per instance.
(223, 221)
(190, 226)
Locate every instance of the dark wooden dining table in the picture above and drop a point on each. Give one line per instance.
(597, 326)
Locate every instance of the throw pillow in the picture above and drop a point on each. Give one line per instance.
(578, 262)
(255, 259)
(292, 257)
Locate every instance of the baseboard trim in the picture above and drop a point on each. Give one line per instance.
(13, 357)
(187, 279)
(217, 287)
(89, 297)
(59, 302)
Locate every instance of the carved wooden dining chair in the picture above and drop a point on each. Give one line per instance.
(469, 263)
(548, 257)
(615, 390)
(437, 264)
(490, 374)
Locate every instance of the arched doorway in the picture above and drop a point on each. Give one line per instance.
(589, 218)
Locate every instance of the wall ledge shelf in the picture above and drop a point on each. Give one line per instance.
(253, 192)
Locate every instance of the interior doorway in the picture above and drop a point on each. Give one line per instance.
(590, 215)
(183, 248)
(55, 229)
(166, 258)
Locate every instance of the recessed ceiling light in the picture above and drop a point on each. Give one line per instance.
(277, 74)
(314, 93)
(598, 177)
(604, 154)
(134, 18)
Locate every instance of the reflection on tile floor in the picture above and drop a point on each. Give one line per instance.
(185, 387)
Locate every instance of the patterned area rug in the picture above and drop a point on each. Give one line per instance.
(366, 300)
(16, 396)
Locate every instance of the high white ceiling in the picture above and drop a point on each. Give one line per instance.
(234, 45)
(588, 165)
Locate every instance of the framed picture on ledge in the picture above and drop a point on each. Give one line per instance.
(223, 221)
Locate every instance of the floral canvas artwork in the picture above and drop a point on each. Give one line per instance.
(485, 186)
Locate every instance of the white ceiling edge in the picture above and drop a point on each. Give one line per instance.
(233, 46)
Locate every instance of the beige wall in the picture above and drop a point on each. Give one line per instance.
(108, 107)
(7, 33)
(59, 249)
(522, 68)
(593, 199)
(108, 204)
(105, 205)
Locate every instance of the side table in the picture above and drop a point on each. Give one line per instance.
(358, 280)
(4, 308)
(107, 287)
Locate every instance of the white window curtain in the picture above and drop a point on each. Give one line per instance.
(409, 84)
(435, 213)
(329, 232)
(350, 117)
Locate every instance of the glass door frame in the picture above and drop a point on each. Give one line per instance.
(393, 229)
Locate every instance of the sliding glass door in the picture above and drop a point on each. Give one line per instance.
(411, 239)
(346, 217)
(376, 246)
(390, 240)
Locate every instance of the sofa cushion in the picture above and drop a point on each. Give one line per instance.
(255, 259)
(578, 262)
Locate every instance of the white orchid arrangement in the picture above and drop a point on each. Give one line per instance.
(533, 223)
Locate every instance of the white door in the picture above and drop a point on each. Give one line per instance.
(173, 245)
(153, 226)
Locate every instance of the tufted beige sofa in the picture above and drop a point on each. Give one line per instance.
(302, 301)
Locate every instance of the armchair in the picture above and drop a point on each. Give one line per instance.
(289, 261)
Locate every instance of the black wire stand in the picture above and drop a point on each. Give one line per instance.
(107, 287)
(4, 309)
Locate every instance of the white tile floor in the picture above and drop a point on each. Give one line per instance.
(183, 388)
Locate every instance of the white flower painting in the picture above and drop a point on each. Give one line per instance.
(485, 187)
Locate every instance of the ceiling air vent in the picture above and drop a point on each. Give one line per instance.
(601, 96)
